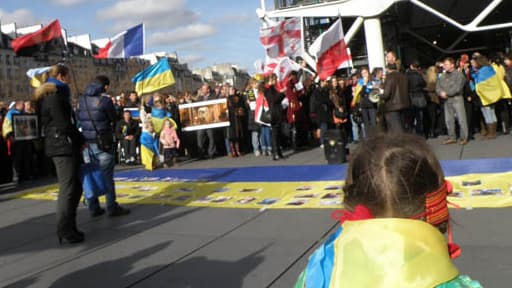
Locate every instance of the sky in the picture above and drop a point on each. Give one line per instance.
(201, 32)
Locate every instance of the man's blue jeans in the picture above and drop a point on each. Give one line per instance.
(106, 163)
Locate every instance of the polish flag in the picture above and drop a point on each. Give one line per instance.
(330, 51)
(125, 44)
(282, 39)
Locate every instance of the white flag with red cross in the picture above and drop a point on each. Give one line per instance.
(282, 39)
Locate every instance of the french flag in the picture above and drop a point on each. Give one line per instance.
(125, 44)
(330, 51)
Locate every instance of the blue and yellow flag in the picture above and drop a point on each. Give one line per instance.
(500, 73)
(158, 116)
(488, 85)
(154, 78)
(148, 149)
(7, 123)
(37, 75)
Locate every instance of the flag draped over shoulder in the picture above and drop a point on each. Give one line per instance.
(330, 50)
(36, 75)
(47, 39)
(153, 78)
(157, 118)
(488, 86)
(500, 73)
(7, 123)
(148, 149)
(125, 44)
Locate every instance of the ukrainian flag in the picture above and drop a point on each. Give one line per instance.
(500, 72)
(357, 92)
(154, 78)
(7, 124)
(488, 85)
(158, 116)
(149, 149)
(37, 76)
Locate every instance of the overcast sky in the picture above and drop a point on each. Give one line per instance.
(202, 32)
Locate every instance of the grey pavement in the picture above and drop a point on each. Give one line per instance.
(165, 246)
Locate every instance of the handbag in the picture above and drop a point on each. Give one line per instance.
(105, 141)
(266, 116)
(94, 181)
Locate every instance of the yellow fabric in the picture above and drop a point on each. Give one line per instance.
(391, 253)
(147, 157)
(158, 124)
(6, 128)
(490, 91)
(500, 72)
(155, 83)
(357, 95)
(37, 80)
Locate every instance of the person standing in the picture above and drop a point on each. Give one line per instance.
(396, 99)
(274, 99)
(97, 116)
(417, 85)
(206, 95)
(450, 87)
(63, 143)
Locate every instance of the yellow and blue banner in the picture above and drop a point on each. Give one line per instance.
(153, 78)
(149, 148)
(7, 123)
(476, 183)
(500, 73)
(488, 85)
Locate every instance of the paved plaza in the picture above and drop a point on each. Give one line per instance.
(166, 246)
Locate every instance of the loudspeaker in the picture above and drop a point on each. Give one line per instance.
(334, 147)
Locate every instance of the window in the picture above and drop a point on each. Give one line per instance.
(8, 59)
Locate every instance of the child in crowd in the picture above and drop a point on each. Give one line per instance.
(149, 147)
(390, 234)
(171, 142)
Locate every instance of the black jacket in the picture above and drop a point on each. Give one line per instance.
(124, 129)
(396, 92)
(323, 105)
(274, 99)
(101, 110)
(57, 119)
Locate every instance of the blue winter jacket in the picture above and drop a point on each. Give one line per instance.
(102, 112)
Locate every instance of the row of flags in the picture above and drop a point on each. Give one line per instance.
(283, 39)
(50, 39)
(129, 43)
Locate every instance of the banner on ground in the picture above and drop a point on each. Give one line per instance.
(204, 115)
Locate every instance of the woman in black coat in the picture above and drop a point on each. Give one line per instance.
(63, 143)
(274, 99)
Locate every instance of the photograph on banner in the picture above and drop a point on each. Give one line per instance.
(25, 127)
(204, 115)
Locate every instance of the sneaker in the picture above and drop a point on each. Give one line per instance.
(449, 141)
(97, 213)
(257, 153)
(463, 142)
(118, 211)
(322, 146)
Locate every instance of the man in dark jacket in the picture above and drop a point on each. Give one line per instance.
(396, 98)
(128, 132)
(416, 85)
(97, 116)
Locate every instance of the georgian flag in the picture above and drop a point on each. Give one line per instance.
(282, 39)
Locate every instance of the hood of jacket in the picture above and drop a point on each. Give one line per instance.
(94, 89)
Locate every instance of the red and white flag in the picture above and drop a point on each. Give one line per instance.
(330, 51)
(282, 39)
(283, 69)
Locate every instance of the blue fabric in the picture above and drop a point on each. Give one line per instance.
(62, 88)
(483, 74)
(302, 173)
(94, 182)
(150, 142)
(106, 163)
(11, 112)
(134, 41)
(320, 264)
(159, 113)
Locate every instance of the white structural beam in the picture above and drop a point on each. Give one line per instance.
(374, 43)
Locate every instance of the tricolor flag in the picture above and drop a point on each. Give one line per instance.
(282, 39)
(330, 50)
(36, 75)
(488, 86)
(47, 39)
(125, 44)
(149, 149)
(153, 78)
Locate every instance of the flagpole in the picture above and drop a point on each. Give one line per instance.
(143, 38)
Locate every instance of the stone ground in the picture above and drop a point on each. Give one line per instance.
(164, 246)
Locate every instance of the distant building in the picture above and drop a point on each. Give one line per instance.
(224, 73)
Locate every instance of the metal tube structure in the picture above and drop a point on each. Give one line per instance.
(374, 43)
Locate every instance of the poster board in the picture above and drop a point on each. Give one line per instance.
(25, 127)
(204, 115)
